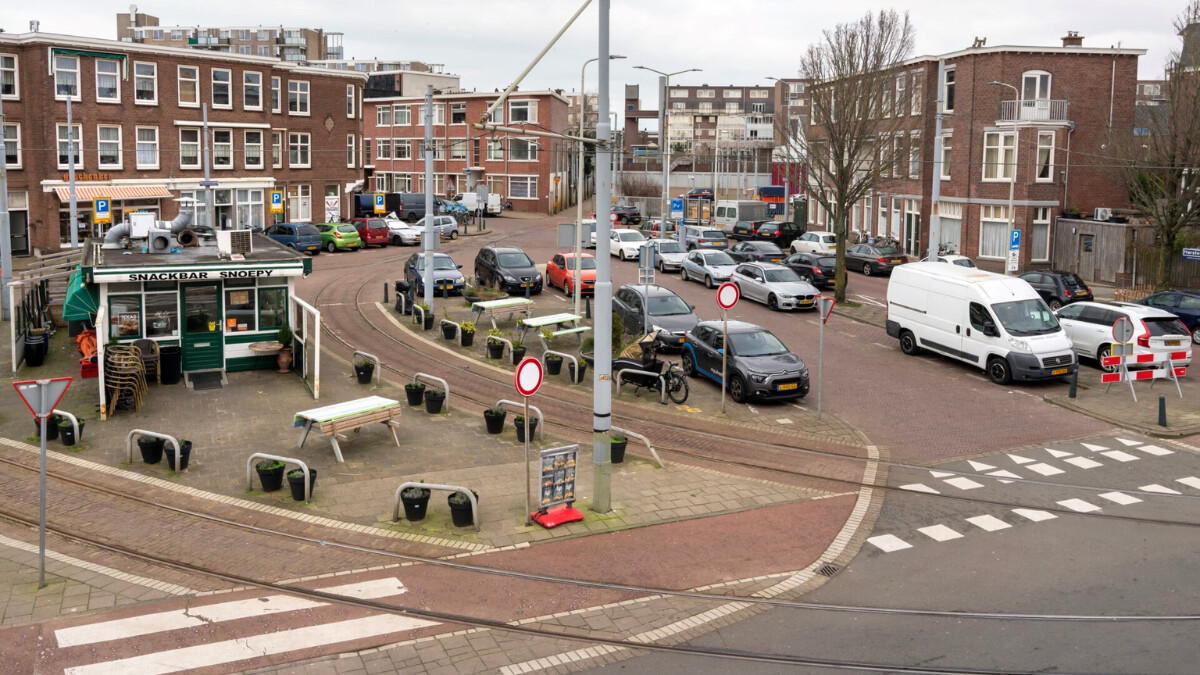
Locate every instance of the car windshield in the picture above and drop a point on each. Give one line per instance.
(667, 305)
(888, 250)
(631, 236)
(671, 247)
(718, 258)
(346, 228)
(440, 262)
(757, 343)
(514, 260)
(1165, 326)
(588, 263)
(782, 275)
(712, 234)
(307, 230)
(397, 225)
(1026, 317)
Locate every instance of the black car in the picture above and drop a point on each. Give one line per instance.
(817, 270)
(782, 234)
(698, 193)
(1058, 288)
(446, 274)
(870, 259)
(667, 312)
(756, 251)
(1183, 304)
(745, 230)
(760, 366)
(507, 268)
(627, 215)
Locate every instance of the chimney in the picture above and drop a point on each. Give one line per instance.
(1072, 39)
(33, 26)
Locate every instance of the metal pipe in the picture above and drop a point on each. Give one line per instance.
(602, 370)
(208, 191)
(5, 226)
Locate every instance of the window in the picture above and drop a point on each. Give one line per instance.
(12, 146)
(1150, 89)
(222, 145)
(732, 107)
(522, 150)
(383, 116)
(678, 105)
(277, 149)
(914, 155)
(458, 148)
(497, 116)
(948, 91)
(678, 93)
(733, 93)
(350, 101)
(66, 77)
(760, 93)
(381, 182)
(9, 86)
(300, 202)
(1039, 246)
(254, 149)
(275, 94)
(402, 150)
(298, 146)
(125, 312)
(495, 185)
(263, 35)
(522, 187)
(899, 156)
(383, 149)
(1087, 243)
(997, 156)
(222, 88)
(147, 147)
(439, 114)
(993, 231)
(495, 151)
(189, 86)
(297, 97)
(947, 143)
(402, 114)
(1035, 85)
(189, 148)
(145, 83)
(351, 145)
(901, 102)
(1045, 157)
(706, 106)
(366, 154)
(918, 86)
(705, 93)
(262, 51)
(176, 35)
(401, 182)
(68, 145)
(272, 307)
(252, 91)
(458, 113)
(522, 111)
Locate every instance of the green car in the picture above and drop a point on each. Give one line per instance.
(339, 237)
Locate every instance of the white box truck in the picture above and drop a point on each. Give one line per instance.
(730, 212)
(991, 321)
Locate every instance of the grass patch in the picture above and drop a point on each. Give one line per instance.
(850, 303)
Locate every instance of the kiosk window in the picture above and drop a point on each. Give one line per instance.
(239, 310)
(272, 307)
(162, 315)
(125, 317)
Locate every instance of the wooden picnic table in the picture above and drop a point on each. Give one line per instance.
(332, 420)
(560, 320)
(510, 306)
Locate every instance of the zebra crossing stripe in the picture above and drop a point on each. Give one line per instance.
(1083, 462)
(1058, 454)
(1155, 487)
(1120, 498)
(1120, 455)
(1190, 481)
(1093, 447)
(888, 543)
(1035, 515)
(919, 487)
(1156, 450)
(1020, 460)
(988, 523)
(939, 533)
(1128, 443)
(1078, 505)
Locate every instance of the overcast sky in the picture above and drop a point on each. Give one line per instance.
(489, 42)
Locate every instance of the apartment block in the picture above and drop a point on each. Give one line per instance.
(282, 42)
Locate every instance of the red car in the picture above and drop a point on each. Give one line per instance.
(372, 231)
(560, 272)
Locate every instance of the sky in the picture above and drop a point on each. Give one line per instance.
(489, 42)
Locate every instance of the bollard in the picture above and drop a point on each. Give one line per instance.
(587, 307)
(1074, 383)
(1162, 411)
(385, 292)
(445, 292)
(527, 289)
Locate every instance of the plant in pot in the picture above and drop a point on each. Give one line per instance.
(553, 364)
(152, 449)
(295, 479)
(51, 427)
(494, 419)
(517, 338)
(434, 398)
(364, 369)
(416, 501)
(448, 329)
(415, 391)
(427, 313)
(519, 423)
(616, 446)
(66, 431)
(495, 348)
(467, 330)
(270, 474)
(585, 354)
(460, 508)
(284, 359)
(185, 451)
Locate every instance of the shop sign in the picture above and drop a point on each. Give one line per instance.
(333, 209)
(101, 276)
(87, 176)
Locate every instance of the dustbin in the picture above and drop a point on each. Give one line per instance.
(170, 359)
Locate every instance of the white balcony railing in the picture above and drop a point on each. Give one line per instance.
(1037, 110)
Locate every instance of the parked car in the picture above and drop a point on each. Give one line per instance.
(1183, 304)
(666, 311)
(339, 237)
(627, 215)
(625, 243)
(745, 230)
(814, 268)
(470, 201)
(815, 242)
(303, 237)
(1155, 332)
(655, 229)
(870, 259)
(760, 365)
(668, 254)
(698, 193)
(729, 212)
(776, 286)
(711, 267)
(696, 236)
(372, 231)
(560, 272)
(755, 251)
(447, 224)
(507, 268)
(780, 233)
(446, 274)
(409, 206)
(1058, 288)
(401, 233)
(954, 259)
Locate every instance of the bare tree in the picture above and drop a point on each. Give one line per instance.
(1159, 163)
(853, 71)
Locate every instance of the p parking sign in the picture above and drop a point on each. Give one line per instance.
(379, 203)
(276, 201)
(102, 210)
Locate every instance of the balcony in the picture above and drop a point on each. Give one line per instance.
(207, 41)
(291, 41)
(1048, 111)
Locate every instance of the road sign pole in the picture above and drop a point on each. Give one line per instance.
(724, 347)
(44, 392)
(820, 361)
(528, 474)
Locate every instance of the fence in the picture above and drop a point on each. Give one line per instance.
(30, 301)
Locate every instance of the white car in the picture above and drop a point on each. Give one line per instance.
(668, 254)
(960, 260)
(1155, 332)
(447, 224)
(625, 243)
(776, 286)
(815, 242)
(401, 233)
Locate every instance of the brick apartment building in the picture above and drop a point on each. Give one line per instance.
(535, 173)
(136, 113)
(792, 112)
(1050, 134)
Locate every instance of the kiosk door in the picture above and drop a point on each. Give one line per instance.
(203, 339)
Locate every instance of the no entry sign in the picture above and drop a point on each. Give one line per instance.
(728, 295)
(528, 377)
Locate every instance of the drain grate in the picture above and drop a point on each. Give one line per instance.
(828, 570)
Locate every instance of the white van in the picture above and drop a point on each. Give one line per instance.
(994, 322)
(470, 201)
(730, 212)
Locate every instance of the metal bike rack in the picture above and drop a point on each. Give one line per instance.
(445, 386)
(457, 328)
(519, 409)
(417, 308)
(75, 422)
(506, 342)
(285, 460)
(565, 356)
(435, 486)
(662, 381)
(375, 360)
(405, 305)
(154, 434)
(634, 434)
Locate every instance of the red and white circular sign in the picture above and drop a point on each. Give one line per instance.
(728, 295)
(612, 217)
(528, 377)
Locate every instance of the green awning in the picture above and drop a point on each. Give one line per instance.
(82, 301)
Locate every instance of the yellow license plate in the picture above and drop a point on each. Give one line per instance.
(806, 302)
(896, 262)
(526, 285)
(788, 386)
(312, 248)
(776, 259)
(1059, 371)
(1172, 343)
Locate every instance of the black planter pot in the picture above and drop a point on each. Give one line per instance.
(185, 450)
(152, 449)
(468, 338)
(460, 512)
(433, 402)
(521, 430)
(571, 371)
(415, 394)
(296, 482)
(271, 479)
(553, 366)
(518, 353)
(365, 372)
(495, 423)
(617, 451)
(51, 427)
(35, 350)
(415, 508)
(428, 322)
(448, 331)
(495, 350)
(66, 431)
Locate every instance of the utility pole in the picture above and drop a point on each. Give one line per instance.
(5, 229)
(935, 218)
(430, 217)
(602, 373)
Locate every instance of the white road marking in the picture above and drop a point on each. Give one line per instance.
(888, 543)
(254, 646)
(1120, 455)
(753, 409)
(1155, 487)
(1093, 448)
(882, 346)
(1120, 498)
(939, 533)
(1190, 481)
(1078, 505)
(979, 466)
(368, 590)
(1156, 450)
(1128, 443)
(1045, 469)
(940, 474)
(988, 523)
(919, 487)
(1058, 453)
(963, 483)
(1004, 474)
(1019, 459)
(1083, 462)
(784, 421)
(1035, 515)
(869, 300)
(797, 406)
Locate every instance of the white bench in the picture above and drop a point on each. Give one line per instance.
(509, 306)
(331, 420)
(561, 320)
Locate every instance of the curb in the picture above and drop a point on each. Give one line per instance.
(1155, 431)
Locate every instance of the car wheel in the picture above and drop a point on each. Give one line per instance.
(396, 241)
(683, 274)
(689, 363)
(1055, 304)
(453, 235)
(708, 282)
(866, 270)
(773, 303)
(1102, 353)
(624, 220)
(411, 218)
(331, 247)
(998, 370)
(567, 289)
(908, 343)
(1196, 335)
(737, 389)
(621, 254)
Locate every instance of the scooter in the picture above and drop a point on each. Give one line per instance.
(663, 371)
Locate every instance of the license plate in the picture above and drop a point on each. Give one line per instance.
(526, 285)
(896, 261)
(1173, 343)
(788, 386)
(445, 288)
(1059, 371)
(776, 259)
(312, 248)
(806, 302)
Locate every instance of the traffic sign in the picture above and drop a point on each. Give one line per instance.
(728, 295)
(528, 377)
(379, 203)
(1122, 330)
(102, 210)
(612, 217)
(1014, 250)
(31, 393)
(676, 208)
(1191, 254)
(826, 304)
(276, 201)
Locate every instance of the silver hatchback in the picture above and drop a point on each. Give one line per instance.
(703, 238)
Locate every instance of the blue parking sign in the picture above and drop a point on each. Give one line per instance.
(276, 201)
(102, 210)
(1015, 242)
(379, 204)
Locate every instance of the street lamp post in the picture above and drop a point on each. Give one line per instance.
(1012, 184)
(664, 145)
(578, 275)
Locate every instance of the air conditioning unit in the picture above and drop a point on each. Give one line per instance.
(140, 224)
(1103, 214)
(234, 242)
(158, 240)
